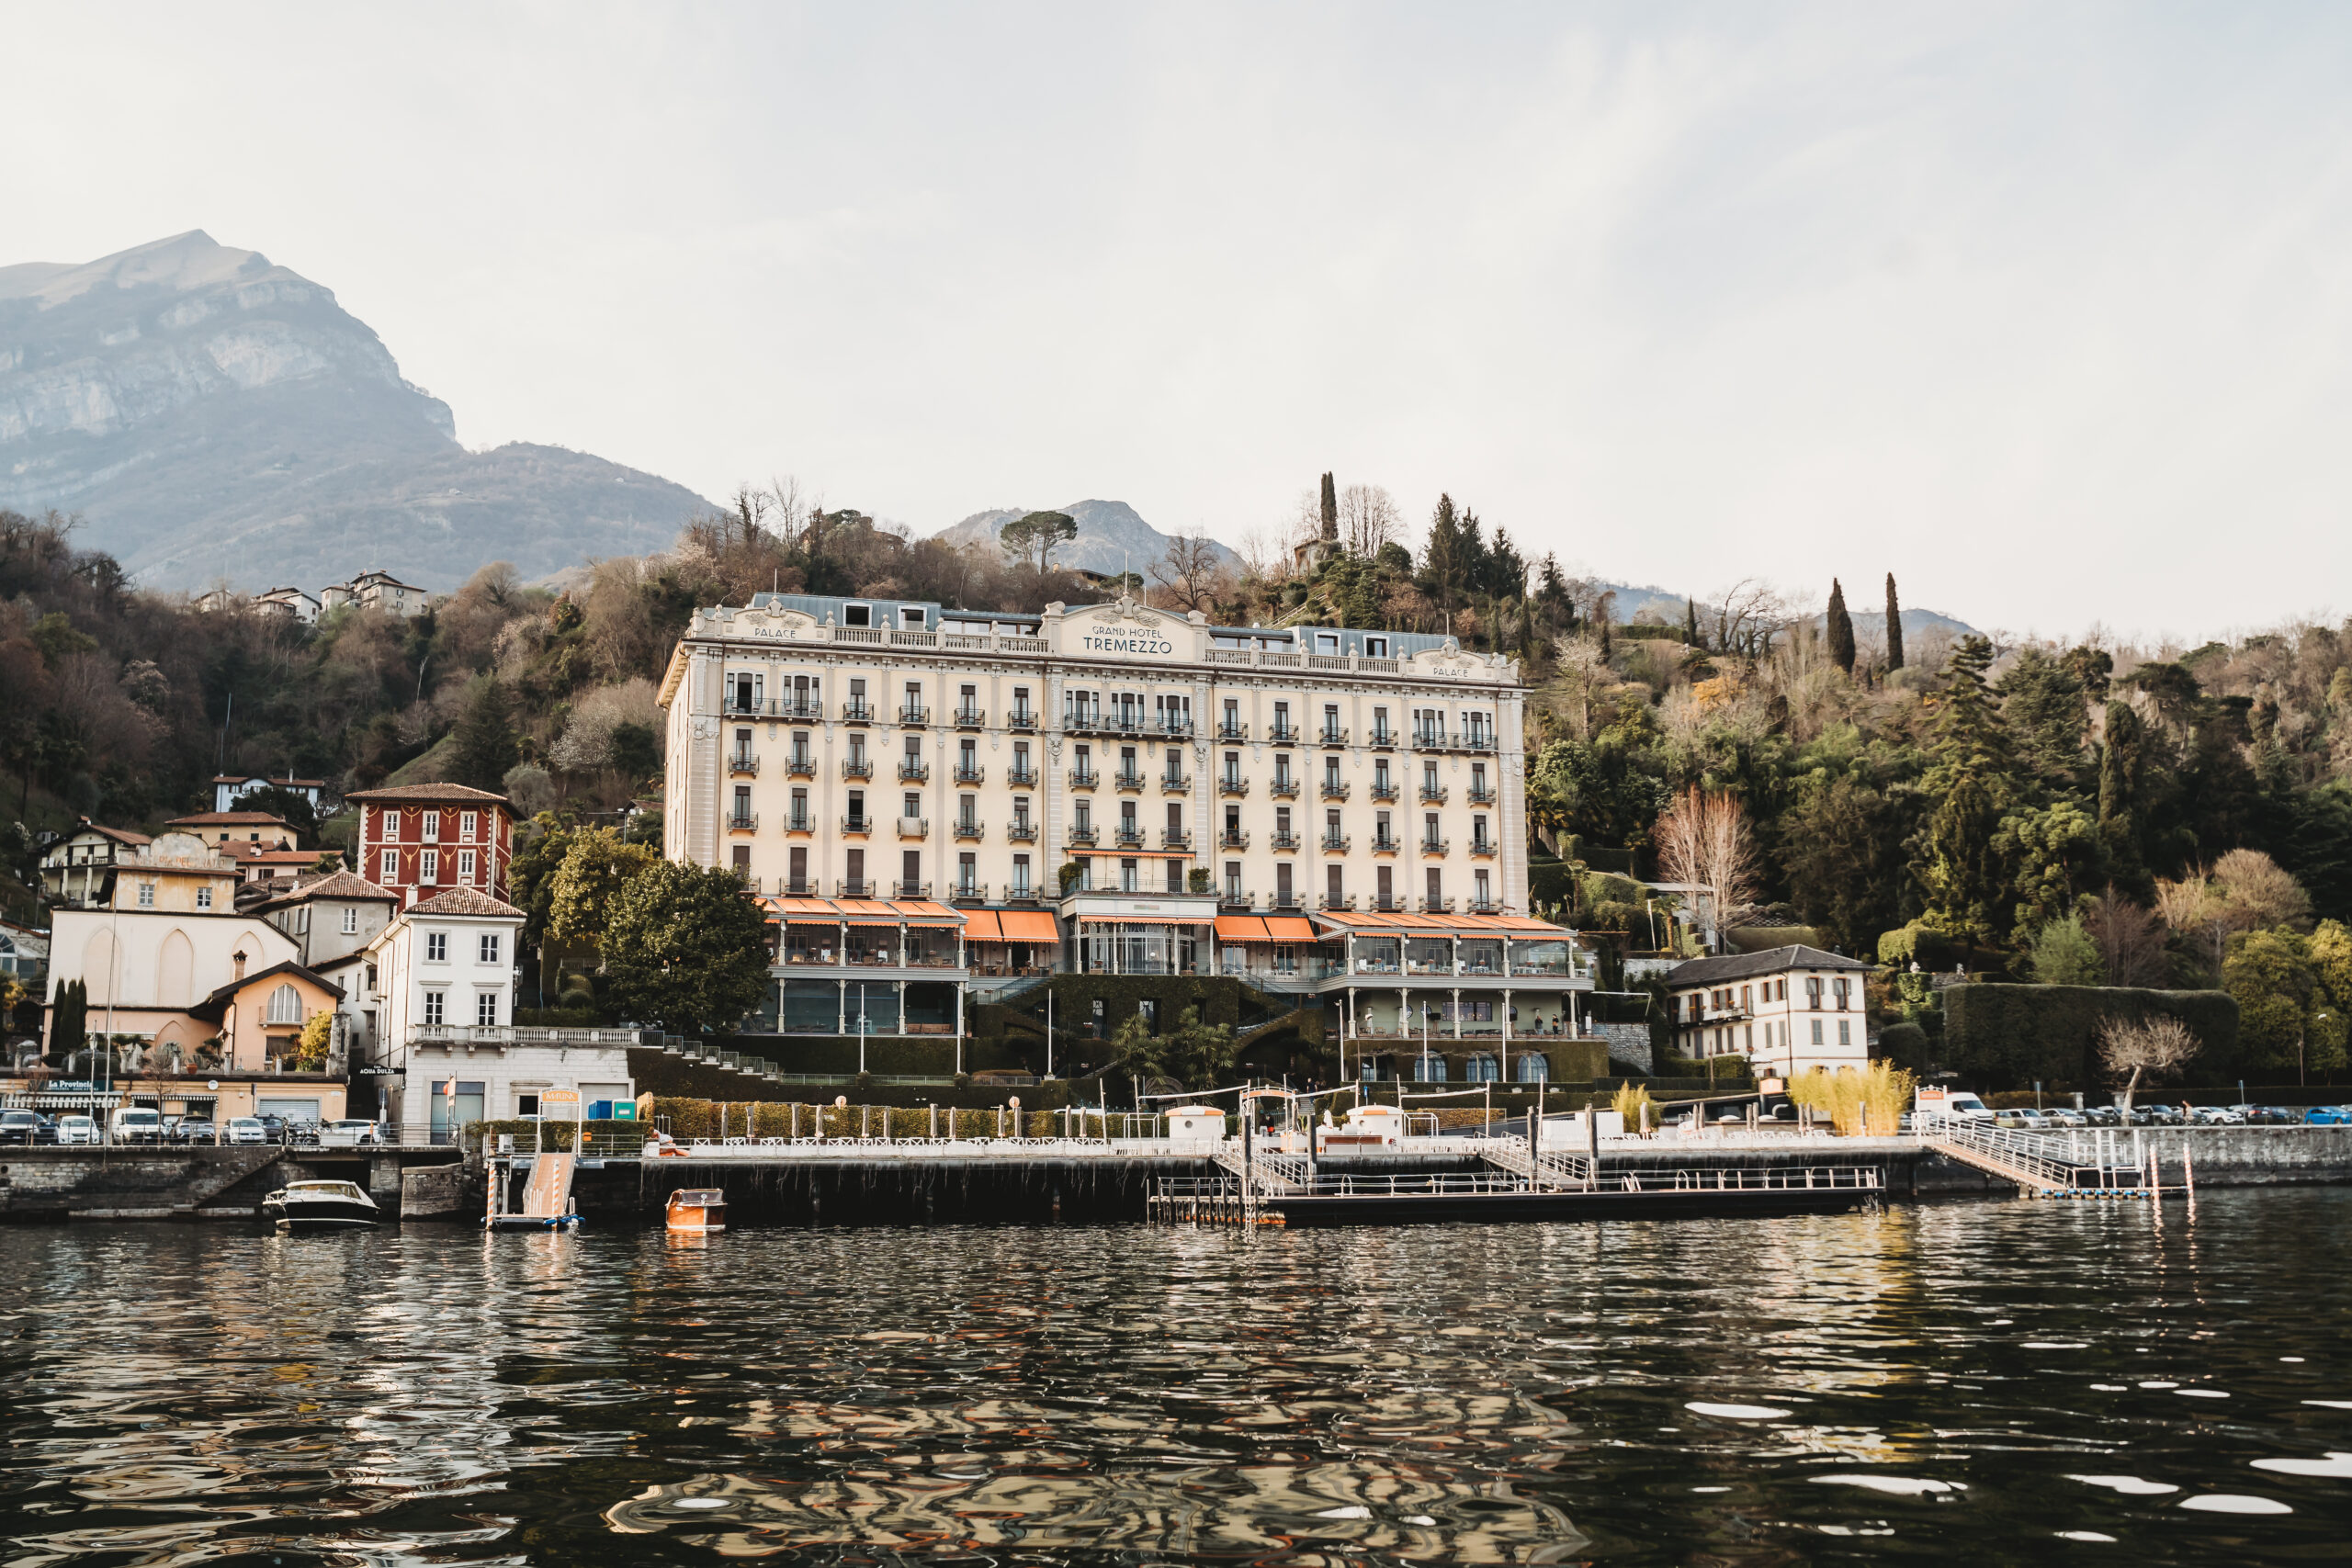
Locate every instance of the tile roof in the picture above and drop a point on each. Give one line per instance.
(336, 884)
(232, 819)
(119, 835)
(467, 901)
(213, 1006)
(1746, 965)
(426, 792)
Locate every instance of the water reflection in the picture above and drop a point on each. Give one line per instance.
(1732, 1393)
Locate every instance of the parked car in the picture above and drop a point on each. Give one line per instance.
(2329, 1116)
(2209, 1116)
(2103, 1116)
(196, 1130)
(2066, 1116)
(2024, 1119)
(246, 1130)
(135, 1125)
(21, 1127)
(77, 1128)
(349, 1133)
(2273, 1116)
(273, 1128)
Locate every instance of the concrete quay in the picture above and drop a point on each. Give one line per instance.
(44, 1185)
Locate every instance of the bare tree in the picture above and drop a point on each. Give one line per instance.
(2267, 892)
(2130, 939)
(2156, 1047)
(1191, 575)
(1747, 615)
(1369, 518)
(1702, 840)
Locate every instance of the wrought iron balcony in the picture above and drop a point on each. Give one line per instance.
(1483, 848)
(1283, 788)
(1487, 905)
(1387, 904)
(742, 762)
(801, 765)
(1084, 836)
(1434, 846)
(912, 889)
(1437, 905)
(1341, 901)
(1433, 794)
(1231, 840)
(1281, 900)
(1174, 728)
(914, 771)
(1020, 777)
(1128, 779)
(856, 889)
(1334, 844)
(1475, 740)
(1429, 740)
(1281, 734)
(1232, 783)
(1129, 837)
(1333, 735)
(744, 822)
(1336, 789)
(1479, 794)
(1021, 832)
(1175, 839)
(1020, 718)
(1383, 739)
(1383, 844)
(857, 826)
(913, 713)
(1381, 790)
(972, 773)
(969, 719)
(858, 768)
(800, 823)
(1176, 784)
(1084, 778)
(1279, 839)
(856, 712)
(913, 826)
(968, 893)
(1236, 898)
(807, 708)
(971, 828)
(1232, 729)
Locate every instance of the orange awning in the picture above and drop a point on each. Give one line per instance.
(1342, 918)
(867, 911)
(1290, 928)
(1028, 925)
(1241, 928)
(809, 913)
(1139, 920)
(923, 913)
(980, 925)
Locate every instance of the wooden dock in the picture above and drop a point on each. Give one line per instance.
(1404, 1200)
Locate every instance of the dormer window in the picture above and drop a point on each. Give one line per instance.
(910, 619)
(857, 615)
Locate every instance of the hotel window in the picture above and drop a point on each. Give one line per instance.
(1175, 874)
(1436, 884)
(1085, 821)
(351, 922)
(1478, 831)
(967, 809)
(858, 811)
(1020, 876)
(390, 870)
(1085, 873)
(1129, 880)
(469, 822)
(486, 950)
(911, 804)
(432, 827)
(436, 999)
(910, 873)
(1480, 888)
(1021, 705)
(743, 862)
(1232, 717)
(437, 947)
(1331, 876)
(968, 873)
(1282, 719)
(744, 692)
(466, 866)
(857, 615)
(914, 697)
(204, 901)
(428, 866)
(1428, 777)
(486, 1009)
(146, 895)
(1377, 648)
(1233, 879)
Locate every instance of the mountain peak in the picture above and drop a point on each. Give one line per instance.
(180, 265)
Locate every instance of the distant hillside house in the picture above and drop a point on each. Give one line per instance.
(78, 870)
(289, 602)
(376, 591)
(423, 839)
(229, 788)
(1788, 1010)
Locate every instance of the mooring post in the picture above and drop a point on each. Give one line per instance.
(1592, 1142)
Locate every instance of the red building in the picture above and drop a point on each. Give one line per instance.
(423, 839)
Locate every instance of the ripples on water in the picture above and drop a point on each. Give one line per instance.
(1997, 1382)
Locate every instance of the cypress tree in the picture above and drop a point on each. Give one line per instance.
(1840, 628)
(69, 1024)
(1330, 509)
(1894, 627)
(1691, 622)
(2118, 789)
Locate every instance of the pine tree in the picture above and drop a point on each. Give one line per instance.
(1893, 627)
(1839, 628)
(485, 738)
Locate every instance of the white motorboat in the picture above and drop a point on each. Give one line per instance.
(321, 1206)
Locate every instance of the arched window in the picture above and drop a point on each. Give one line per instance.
(284, 1005)
(1532, 1067)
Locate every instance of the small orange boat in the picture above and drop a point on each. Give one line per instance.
(697, 1209)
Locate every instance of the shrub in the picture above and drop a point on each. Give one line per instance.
(2004, 1036)
(1858, 1104)
(1905, 1044)
(1928, 947)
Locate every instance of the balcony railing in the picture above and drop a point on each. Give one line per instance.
(1021, 893)
(1236, 898)
(1381, 790)
(1437, 905)
(1232, 840)
(801, 765)
(1383, 739)
(742, 762)
(1336, 789)
(1475, 740)
(1126, 779)
(1387, 904)
(1281, 900)
(1232, 729)
(1434, 846)
(1129, 838)
(1486, 905)
(1483, 847)
(857, 826)
(1232, 783)
(912, 889)
(802, 823)
(744, 822)
(787, 888)
(1175, 839)
(1479, 794)
(856, 712)
(807, 708)
(972, 773)
(854, 888)
(1336, 901)
(1085, 835)
(913, 713)
(1383, 844)
(1084, 778)
(1280, 841)
(968, 892)
(969, 719)
(1281, 734)
(1433, 794)
(971, 828)
(1283, 788)
(1020, 777)
(1429, 740)
(914, 827)
(1176, 784)
(857, 768)
(1020, 718)
(913, 772)
(1081, 721)
(1333, 735)
(1174, 728)
(1021, 832)
(1334, 844)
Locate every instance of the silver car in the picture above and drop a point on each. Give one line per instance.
(349, 1133)
(244, 1130)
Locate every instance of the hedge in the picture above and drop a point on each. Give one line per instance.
(1999, 1036)
(1928, 947)
(1905, 1044)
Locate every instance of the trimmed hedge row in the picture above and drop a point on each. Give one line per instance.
(2000, 1036)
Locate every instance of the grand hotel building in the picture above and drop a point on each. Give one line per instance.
(1313, 809)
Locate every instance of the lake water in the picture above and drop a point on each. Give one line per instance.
(1984, 1382)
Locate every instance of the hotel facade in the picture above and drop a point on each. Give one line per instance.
(965, 799)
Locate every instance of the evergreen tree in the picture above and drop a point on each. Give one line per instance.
(68, 1026)
(1961, 863)
(485, 738)
(1893, 627)
(2119, 761)
(1691, 623)
(1839, 629)
(685, 949)
(1330, 509)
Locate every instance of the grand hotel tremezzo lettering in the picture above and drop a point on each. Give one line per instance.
(821, 743)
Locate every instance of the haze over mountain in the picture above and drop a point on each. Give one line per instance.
(212, 415)
(1111, 537)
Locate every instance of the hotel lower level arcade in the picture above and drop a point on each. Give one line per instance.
(915, 990)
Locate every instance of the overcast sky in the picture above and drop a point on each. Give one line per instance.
(2042, 307)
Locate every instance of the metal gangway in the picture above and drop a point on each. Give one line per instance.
(2028, 1161)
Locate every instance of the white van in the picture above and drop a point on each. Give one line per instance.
(135, 1125)
(1951, 1105)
